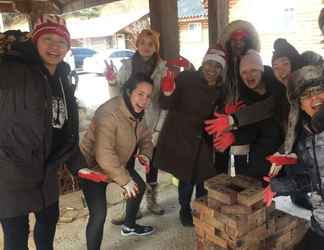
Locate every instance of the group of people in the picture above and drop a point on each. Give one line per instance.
(231, 113)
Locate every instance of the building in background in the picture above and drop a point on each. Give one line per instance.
(193, 30)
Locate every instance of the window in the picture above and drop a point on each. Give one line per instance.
(194, 32)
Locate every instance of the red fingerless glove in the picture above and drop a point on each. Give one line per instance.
(268, 195)
(234, 107)
(92, 176)
(168, 83)
(179, 62)
(217, 125)
(110, 73)
(223, 141)
(282, 159)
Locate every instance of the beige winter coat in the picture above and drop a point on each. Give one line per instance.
(111, 139)
(154, 115)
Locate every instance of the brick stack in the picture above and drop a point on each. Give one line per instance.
(233, 216)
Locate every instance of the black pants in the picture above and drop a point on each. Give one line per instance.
(95, 196)
(152, 175)
(185, 190)
(16, 230)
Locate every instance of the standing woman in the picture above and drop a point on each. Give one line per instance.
(184, 148)
(39, 132)
(146, 60)
(118, 134)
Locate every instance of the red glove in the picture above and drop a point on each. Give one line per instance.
(110, 73)
(91, 175)
(179, 62)
(218, 125)
(282, 159)
(223, 141)
(145, 162)
(233, 107)
(268, 195)
(168, 83)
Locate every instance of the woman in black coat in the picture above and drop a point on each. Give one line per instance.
(184, 149)
(39, 132)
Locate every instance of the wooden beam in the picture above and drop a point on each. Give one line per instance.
(74, 5)
(217, 19)
(164, 19)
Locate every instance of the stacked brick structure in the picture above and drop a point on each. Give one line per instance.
(233, 216)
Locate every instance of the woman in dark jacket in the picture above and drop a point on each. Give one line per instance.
(39, 132)
(184, 149)
(252, 143)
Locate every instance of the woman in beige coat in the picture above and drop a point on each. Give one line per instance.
(116, 136)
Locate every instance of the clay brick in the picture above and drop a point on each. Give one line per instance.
(222, 194)
(200, 206)
(236, 209)
(215, 222)
(221, 179)
(245, 182)
(250, 196)
(214, 204)
(217, 240)
(257, 218)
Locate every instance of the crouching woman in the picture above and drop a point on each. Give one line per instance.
(306, 95)
(116, 136)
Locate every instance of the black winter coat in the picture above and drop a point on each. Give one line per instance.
(28, 167)
(267, 134)
(184, 149)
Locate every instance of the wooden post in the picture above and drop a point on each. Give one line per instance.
(217, 19)
(164, 19)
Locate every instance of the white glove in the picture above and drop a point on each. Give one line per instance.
(155, 137)
(131, 189)
(145, 162)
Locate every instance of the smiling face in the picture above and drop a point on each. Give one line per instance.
(212, 71)
(140, 97)
(146, 47)
(282, 69)
(311, 100)
(52, 49)
(252, 79)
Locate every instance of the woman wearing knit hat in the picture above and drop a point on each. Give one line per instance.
(184, 149)
(249, 145)
(39, 132)
(285, 60)
(306, 93)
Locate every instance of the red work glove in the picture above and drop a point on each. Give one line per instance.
(223, 141)
(219, 124)
(268, 195)
(110, 73)
(233, 107)
(145, 162)
(91, 175)
(168, 82)
(179, 62)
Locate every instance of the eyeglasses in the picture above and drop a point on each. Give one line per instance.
(62, 44)
(308, 93)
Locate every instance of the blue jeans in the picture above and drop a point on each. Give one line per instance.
(185, 190)
(16, 229)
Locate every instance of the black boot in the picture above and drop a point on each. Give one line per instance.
(301, 200)
(186, 217)
(311, 241)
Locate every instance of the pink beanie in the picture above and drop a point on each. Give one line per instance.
(50, 24)
(251, 60)
(217, 55)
